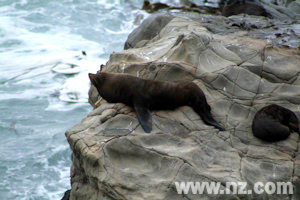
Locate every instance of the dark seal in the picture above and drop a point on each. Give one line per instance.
(274, 123)
(235, 7)
(144, 95)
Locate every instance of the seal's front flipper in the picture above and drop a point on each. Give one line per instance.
(144, 116)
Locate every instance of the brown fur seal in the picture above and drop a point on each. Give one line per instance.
(145, 95)
(151, 8)
(235, 7)
(274, 123)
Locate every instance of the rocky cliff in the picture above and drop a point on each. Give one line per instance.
(242, 64)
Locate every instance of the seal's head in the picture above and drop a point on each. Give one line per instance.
(96, 79)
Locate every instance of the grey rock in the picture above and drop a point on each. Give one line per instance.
(240, 71)
(294, 6)
(148, 29)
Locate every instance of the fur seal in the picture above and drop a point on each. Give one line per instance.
(274, 123)
(235, 7)
(144, 95)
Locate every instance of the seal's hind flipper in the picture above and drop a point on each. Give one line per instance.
(211, 121)
(207, 118)
(144, 116)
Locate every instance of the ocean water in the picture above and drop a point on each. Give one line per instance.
(44, 84)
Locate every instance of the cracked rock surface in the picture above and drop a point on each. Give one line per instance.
(239, 71)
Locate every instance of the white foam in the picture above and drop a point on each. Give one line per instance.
(37, 55)
(35, 58)
(39, 49)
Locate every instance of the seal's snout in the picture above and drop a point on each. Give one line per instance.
(92, 78)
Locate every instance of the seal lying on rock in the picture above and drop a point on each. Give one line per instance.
(143, 94)
(235, 7)
(274, 123)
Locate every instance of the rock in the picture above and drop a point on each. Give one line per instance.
(239, 68)
(294, 6)
(281, 12)
(148, 29)
(66, 195)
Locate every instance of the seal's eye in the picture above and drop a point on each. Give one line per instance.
(99, 79)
